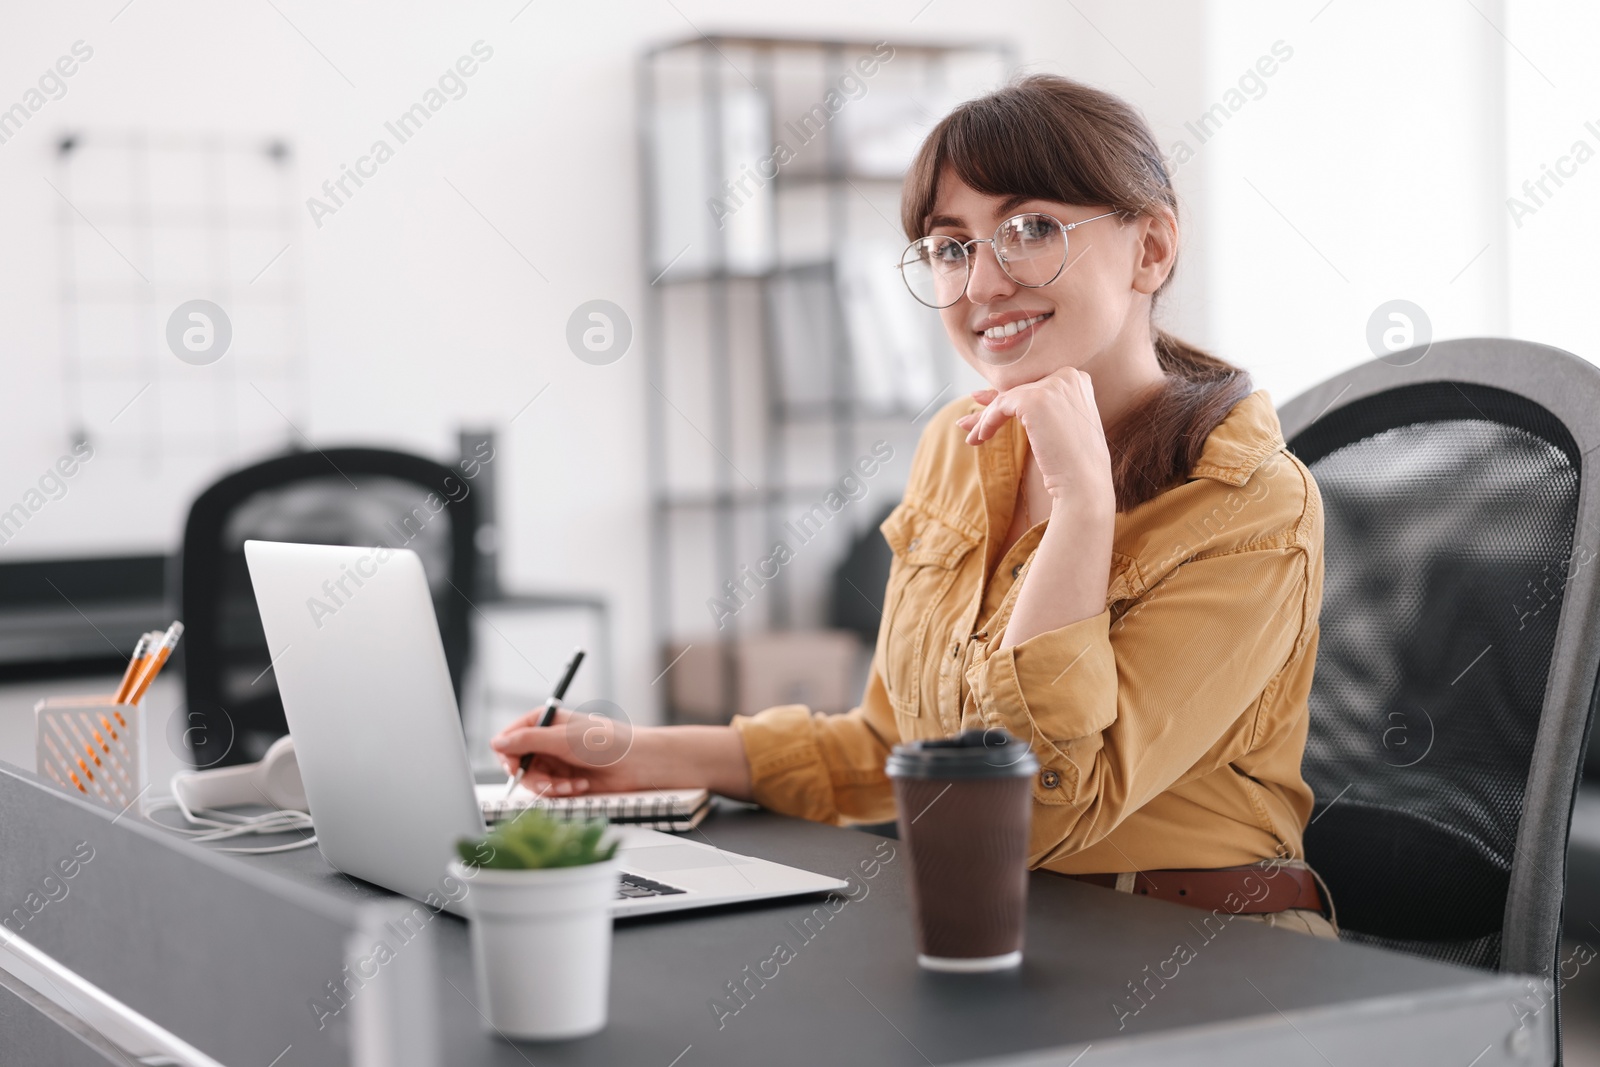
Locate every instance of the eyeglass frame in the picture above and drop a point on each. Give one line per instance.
(968, 253)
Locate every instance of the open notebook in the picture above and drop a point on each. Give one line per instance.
(655, 809)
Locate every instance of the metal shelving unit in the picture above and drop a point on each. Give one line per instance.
(757, 406)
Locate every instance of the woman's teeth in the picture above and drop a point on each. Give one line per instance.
(1011, 329)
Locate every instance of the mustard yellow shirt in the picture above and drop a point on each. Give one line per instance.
(1169, 728)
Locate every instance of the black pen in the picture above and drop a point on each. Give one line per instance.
(546, 718)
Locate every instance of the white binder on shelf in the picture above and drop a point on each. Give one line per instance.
(737, 215)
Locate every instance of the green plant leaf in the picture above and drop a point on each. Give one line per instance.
(534, 840)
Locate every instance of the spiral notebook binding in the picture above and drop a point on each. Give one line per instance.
(660, 811)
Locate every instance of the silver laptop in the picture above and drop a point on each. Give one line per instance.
(361, 671)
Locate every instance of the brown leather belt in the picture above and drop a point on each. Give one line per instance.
(1261, 887)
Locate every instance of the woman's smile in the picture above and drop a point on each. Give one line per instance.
(1007, 331)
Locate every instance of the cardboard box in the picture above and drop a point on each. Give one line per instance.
(823, 669)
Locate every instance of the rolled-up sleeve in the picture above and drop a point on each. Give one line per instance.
(1120, 710)
(827, 768)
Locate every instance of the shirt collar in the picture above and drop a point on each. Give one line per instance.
(1241, 442)
(1000, 461)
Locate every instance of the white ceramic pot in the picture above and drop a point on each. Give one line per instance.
(541, 947)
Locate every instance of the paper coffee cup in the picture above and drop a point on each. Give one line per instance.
(965, 808)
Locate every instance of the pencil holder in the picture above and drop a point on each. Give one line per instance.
(93, 747)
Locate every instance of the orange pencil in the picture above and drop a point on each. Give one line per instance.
(135, 665)
(157, 660)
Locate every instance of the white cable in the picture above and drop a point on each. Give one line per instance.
(223, 826)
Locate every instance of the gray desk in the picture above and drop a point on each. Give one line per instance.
(850, 994)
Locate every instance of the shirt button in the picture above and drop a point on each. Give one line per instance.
(1049, 779)
(1016, 570)
(955, 650)
(915, 541)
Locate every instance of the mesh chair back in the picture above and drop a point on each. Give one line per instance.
(1441, 501)
(1457, 659)
(340, 496)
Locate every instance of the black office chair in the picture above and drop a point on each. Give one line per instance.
(855, 601)
(355, 496)
(1456, 672)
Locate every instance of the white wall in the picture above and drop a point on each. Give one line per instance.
(420, 317)
(1369, 171)
(1381, 141)
(1554, 128)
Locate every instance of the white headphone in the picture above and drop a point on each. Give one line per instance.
(275, 781)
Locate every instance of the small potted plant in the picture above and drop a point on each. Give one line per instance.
(539, 900)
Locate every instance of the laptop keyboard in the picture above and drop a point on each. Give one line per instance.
(635, 886)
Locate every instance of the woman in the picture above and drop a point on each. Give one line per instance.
(1108, 552)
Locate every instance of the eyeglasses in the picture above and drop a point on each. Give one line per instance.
(1031, 248)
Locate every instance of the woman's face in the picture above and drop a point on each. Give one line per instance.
(1094, 302)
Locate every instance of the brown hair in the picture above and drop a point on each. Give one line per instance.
(1051, 138)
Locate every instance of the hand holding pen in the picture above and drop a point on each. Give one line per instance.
(546, 717)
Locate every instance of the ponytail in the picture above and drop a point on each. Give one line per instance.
(1157, 441)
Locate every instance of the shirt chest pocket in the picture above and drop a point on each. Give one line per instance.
(928, 555)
